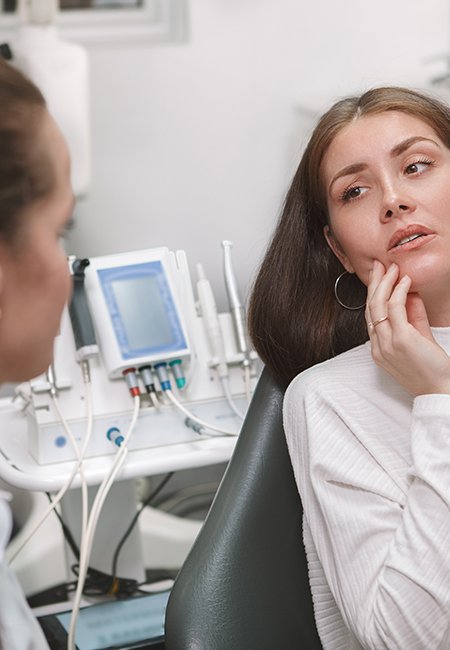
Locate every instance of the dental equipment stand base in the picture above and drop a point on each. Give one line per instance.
(117, 512)
(18, 468)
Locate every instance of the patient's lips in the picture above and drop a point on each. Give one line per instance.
(410, 238)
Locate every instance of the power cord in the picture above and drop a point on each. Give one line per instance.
(66, 531)
(132, 524)
(98, 583)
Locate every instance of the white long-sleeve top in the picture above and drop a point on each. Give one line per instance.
(372, 466)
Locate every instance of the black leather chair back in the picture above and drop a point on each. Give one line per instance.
(244, 585)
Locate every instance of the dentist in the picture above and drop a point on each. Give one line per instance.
(36, 203)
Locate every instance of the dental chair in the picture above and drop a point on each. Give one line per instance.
(244, 584)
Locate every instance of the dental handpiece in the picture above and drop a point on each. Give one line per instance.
(80, 315)
(211, 322)
(51, 378)
(236, 308)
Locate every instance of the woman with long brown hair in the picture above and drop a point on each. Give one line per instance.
(354, 294)
(36, 203)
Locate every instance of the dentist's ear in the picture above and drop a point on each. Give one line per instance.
(2, 283)
(337, 250)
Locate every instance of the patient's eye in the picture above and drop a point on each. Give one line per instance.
(351, 193)
(419, 166)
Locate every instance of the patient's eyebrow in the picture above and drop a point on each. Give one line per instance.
(354, 168)
(399, 148)
(402, 146)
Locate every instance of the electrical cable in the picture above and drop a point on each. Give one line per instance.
(227, 392)
(247, 382)
(132, 524)
(191, 368)
(98, 583)
(97, 505)
(87, 545)
(214, 334)
(78, 466)
(202, 423)
(201, 490)
(66, 531)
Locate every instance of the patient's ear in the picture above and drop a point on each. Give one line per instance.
(337, 250)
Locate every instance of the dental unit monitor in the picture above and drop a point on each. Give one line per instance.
(135, 311)
(153, 340)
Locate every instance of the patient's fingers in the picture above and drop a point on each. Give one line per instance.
(381, 287)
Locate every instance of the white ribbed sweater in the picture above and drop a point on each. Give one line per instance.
(372, 467)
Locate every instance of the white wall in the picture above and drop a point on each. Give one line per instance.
(196, 142)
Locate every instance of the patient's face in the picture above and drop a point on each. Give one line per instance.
(387, 179)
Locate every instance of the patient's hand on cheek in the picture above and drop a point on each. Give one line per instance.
(403, 343)
(417, 316)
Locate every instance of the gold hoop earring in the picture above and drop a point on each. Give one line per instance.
(336, 285)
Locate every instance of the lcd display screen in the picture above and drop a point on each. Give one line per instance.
(142, 310)
(144, 316)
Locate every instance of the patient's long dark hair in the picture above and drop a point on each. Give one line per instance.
(294, 318)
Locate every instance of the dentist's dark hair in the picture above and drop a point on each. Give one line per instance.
(25, 170)
(294, 318)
